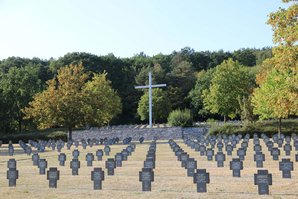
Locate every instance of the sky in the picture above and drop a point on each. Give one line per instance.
(52, 28)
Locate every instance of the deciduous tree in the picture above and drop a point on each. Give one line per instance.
(230, 82)
(69, 101)
(161, 106)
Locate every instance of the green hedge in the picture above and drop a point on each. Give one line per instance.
(37, 135)
(269, 127)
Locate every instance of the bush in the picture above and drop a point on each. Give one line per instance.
(180, 118)
(268, 127)
(37, 135)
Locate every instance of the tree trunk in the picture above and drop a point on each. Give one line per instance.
(20, 124)
(279, 127)
(225, 119)
(69, 133)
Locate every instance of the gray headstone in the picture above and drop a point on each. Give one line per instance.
(62, 159)
(97, 176)
(286, 166)
(42, 165)
(201, 178)
(263, 179)
(12, 176)
(146, 176)
(75, 165)
(53, 176)
(110, 166)
(236, 165)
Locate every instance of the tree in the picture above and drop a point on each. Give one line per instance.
(180, 81)
(18, 86)
(271, 100)
(69, 101)
(246, 109)
(196, 94)
(158, 75)
(246, 57)
(161, 106)
(101, 101)
(230, 81)
(277, 94)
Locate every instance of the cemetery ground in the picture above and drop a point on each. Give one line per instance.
(170, 179)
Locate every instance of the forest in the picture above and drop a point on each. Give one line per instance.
(188, 74)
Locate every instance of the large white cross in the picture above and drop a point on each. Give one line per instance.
(150, 86)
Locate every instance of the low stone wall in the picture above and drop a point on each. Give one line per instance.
(194, 132)
(136, 133)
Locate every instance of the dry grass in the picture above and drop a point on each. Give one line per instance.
(171, 180)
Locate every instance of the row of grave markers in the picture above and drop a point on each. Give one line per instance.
(263, 179)
(146, 176)
(200, 176)
(53, 174)
(41, 145)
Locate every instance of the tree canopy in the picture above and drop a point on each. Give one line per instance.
(161, 106)
(71, 100)
(178, 70)
(277, 94)
(230, 82)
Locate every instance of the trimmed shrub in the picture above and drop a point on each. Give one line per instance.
(268, 127)
(180, 118)
(15, 137)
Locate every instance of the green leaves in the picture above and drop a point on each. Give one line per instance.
(180, 118)
(160, 106)
(277, 94)
(17, 87)
(70, 100)
(272, 99)
(230, 81)
(101, 102)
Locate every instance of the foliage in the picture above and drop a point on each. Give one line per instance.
(69, 101)
(101, 102)
(180, 118)
(17, 87)
(246, 109)
(196, 94)
(271, 99)
(246, 57)
(178, 70)
(53, 134)
(160, 106)
(269, 127)
(229, 82)
(180, 81)
(277, 94)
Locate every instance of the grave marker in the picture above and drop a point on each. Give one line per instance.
(146, 176)
(286, 166)
(97, 176)
(263, 179)
(236, 165)
(75, 165)
(62, 159)
(89, 159)
(107, 150)
(220, 158)
(53, 176)
(191, 165)
(201, 178)
(110, 166)
(42, 165)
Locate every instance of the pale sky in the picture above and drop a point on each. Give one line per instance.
(52, 28)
